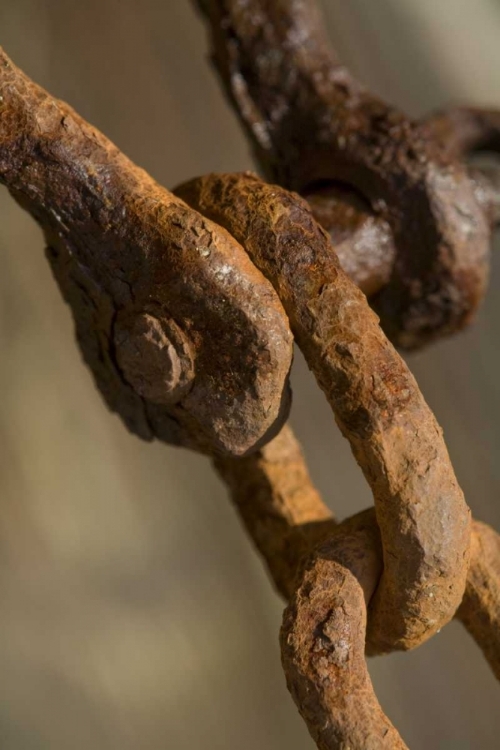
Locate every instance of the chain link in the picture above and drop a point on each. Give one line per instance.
(186, 306)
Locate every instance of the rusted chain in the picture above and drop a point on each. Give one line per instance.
(323, 633)
(149, 281)
(323, 643)
(328, 573)
(189, 342)
(393, 434)
(311, 123)
(287, 520)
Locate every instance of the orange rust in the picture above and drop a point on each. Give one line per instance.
(376, 401)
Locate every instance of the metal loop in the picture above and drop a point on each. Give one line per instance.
(189, 342)
(322, 637)
(310, 121)
(328, 574)
(149, 281)
(323, 642)
(421, 511)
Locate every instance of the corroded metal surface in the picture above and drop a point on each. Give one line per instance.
(421, 511)
(181, 304)
(124, 251)
(310, 123)
(323, 643)
(328, 573)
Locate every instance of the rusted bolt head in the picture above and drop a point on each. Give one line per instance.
(155, 356)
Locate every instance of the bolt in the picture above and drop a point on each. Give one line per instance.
(154, 355)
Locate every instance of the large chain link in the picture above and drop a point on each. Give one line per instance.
(316, 130)
(185, 305)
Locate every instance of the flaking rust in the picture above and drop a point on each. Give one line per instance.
(186, 339)
(328, 573)
(376, 401)
(185, 305)
(373, 177)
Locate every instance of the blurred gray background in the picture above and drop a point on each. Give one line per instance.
(133, 611)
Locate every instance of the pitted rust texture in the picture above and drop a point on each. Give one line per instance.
(321, 569)
(421, 511)
(310, 122)
(323, 640)
(187, 341)
(328, 573)
(324, 626)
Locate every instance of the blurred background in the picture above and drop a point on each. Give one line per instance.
(133, 611)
